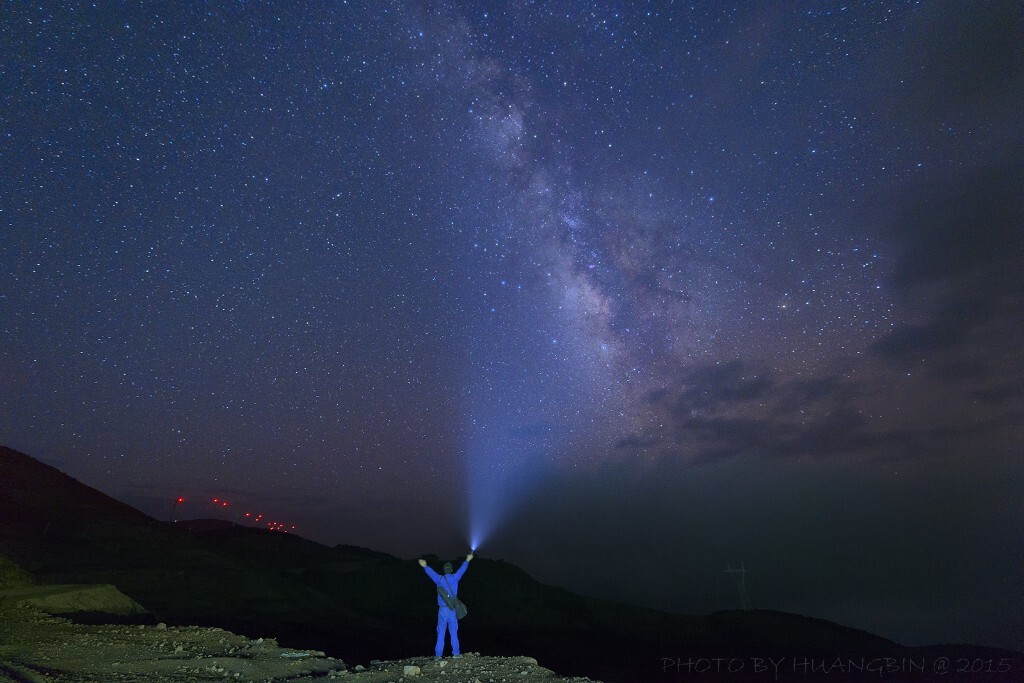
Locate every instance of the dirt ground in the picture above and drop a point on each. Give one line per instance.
(36, 647)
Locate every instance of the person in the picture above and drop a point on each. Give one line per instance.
(446, 619)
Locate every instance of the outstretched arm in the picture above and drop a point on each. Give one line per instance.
(430, 572)
(462, 570)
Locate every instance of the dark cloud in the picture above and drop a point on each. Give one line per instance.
(735, 408)
(958, 371)
(725, 411)
(948, 327)
(960, 58)
(719, 437)
(840, 431)
(799, 394)
(1002, 393)
(709, 386)
(967, 226)
(957, 230)
(961, 249)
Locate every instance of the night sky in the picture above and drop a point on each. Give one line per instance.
(625, 291)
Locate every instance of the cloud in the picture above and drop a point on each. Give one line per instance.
(840, 431)
(950, 326)
(1002, 393)
(953, 83)
(724, 410)
(957, 59)
(719, 412)
(960, 254)
(968, 225)
(709, 386)
(800, 394)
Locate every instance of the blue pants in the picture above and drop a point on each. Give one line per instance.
(446, 620)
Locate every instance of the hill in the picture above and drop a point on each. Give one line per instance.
(360, 605)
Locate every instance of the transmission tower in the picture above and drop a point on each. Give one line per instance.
(740, 576)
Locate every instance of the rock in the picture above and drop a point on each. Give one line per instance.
(70, 652)
(161, 626)
(63, 599)
(13, 576)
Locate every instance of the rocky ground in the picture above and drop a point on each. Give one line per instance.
(37, 647)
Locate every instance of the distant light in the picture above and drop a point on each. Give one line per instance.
(225, 503)
(247, 514)
(216, 500)
(180, 499)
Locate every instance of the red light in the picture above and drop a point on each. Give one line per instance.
(247, 514)
(181, 500)
(216, 500)
(225, 503)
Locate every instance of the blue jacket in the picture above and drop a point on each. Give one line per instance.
(446, 580)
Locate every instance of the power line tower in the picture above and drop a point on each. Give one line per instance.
(740, 577)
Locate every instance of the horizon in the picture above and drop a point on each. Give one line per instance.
(624, 295)
(708, 588)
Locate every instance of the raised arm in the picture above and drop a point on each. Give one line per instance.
(461, 570)
(430, 572)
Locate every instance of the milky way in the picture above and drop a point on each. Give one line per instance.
(381, 267)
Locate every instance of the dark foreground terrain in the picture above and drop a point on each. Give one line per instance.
(37, 647)
(357, 605)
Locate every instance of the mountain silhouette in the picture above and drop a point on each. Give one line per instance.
(359, 605)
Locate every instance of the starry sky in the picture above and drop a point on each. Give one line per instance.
(625, 291)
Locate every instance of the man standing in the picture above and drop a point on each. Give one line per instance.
(446, 619)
